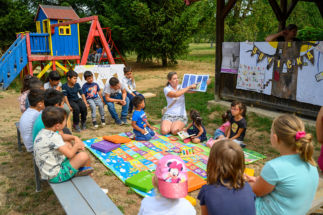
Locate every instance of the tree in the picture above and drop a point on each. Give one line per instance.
(15, 17)
(154, 29)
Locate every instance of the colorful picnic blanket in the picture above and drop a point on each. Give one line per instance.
(136, 156)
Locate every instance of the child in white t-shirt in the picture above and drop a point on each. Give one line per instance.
(115, 92)
(58, 162)
(171, 185)
(28, 118)
(129, 81)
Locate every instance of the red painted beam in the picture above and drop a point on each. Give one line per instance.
(86, 19)
(89, 41)
(51, 58)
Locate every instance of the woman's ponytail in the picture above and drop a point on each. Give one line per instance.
(306, 148)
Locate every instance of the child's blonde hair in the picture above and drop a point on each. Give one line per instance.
(286, 128)
(226, 164)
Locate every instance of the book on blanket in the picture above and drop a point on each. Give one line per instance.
(105, 146)
(141, 181)
(194, 181)
(184, 135)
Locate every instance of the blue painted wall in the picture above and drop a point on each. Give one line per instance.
(41, 17)
(65, 45)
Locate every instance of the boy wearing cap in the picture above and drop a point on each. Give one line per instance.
(170, 181)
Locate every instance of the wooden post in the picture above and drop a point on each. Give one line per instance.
(42, 67)
(54, 65)
(30, 65)
(218, 47)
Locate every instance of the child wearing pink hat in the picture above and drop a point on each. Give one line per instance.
(171, 184)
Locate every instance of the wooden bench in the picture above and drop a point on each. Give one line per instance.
(81, 195)
(318, 199)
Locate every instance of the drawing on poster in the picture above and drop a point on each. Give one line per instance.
(199, 80)
(230, 57)
(101, 73)
(251, 77)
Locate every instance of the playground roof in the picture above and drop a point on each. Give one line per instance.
(57, 12)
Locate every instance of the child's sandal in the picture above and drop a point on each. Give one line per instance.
(83, 171)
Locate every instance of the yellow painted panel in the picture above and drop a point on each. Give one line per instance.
(44, 70)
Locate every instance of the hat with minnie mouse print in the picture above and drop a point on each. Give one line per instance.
(172, 177)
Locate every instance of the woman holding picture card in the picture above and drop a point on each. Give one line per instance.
(174, 115)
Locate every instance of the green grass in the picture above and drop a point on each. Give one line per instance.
(262, 123)
(121, 208)
(108, 173)
(130, 191)
(4, 163)
(10, 190)
(3, 153)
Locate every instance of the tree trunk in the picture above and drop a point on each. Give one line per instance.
(138, 58)
(211, 44)
(164, 62)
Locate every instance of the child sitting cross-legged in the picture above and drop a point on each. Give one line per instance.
(140, 124)
(198, 129)
(171, 185)
(226, 191)
(93, 97)
(221, 132)
(130, 84)
(287, 184)
(77, 105)
(58, 162)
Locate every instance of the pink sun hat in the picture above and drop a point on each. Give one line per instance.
(172, 177)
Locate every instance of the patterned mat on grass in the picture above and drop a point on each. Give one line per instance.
(136, 156)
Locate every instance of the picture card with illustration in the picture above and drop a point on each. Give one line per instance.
(199, 80)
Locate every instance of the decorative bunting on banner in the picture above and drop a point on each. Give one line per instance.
(289, 63)
(254, 51)
(261, 57)
(310, 56)
(299, 62)
(270, 62)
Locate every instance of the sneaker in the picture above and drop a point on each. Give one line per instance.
(118, 121)
(95, 124)
(124, 120)
(84, 125)
(77, 128)
(102, 121)
(187, 140)
(83, 171)
(132, 137)
(209, 143)
(243, 145)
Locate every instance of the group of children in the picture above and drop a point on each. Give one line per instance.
(286, 185)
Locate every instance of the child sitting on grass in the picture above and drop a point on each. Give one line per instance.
(140, 124)
(198, 130)
(171, 193)
(56, 161)
(287, 184)
(93, 97)
(24, 91)
(130, 84)
(115, 92)
(28, 118)
(221, 132)
(77, 105)
(226, 191)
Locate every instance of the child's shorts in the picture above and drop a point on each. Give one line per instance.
(217, 134)
(66, 172)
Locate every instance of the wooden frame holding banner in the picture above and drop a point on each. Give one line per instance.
(225, 84)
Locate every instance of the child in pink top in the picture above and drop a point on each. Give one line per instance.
(25, 91)
(221, 132)
(319, 135)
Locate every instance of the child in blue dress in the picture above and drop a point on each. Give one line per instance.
(198, 128)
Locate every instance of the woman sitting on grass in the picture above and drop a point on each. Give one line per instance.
(175, 118)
